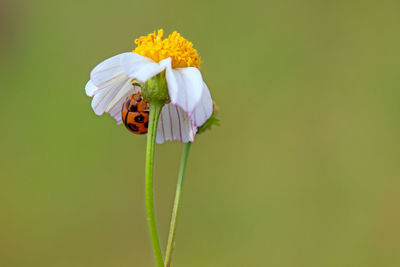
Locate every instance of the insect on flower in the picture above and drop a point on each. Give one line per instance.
(135, 114)
(119, 79)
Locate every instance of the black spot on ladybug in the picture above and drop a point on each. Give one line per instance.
(146, 124)
(134, 108)
(133, 127)
(139, 118)
(147, 112)
(139, 99)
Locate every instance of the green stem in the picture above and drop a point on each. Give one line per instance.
(178, 194)
(155, 110)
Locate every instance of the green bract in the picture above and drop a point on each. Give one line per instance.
(156, 89)
(213, 120)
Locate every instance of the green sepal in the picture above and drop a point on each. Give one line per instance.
(212, 121)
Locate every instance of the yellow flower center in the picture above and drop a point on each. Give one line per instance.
(176, 47)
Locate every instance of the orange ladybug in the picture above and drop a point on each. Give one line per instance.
(135, 114)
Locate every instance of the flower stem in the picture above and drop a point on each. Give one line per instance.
(178, 193)
(155, 110)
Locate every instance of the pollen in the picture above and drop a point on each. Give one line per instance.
(176, 47)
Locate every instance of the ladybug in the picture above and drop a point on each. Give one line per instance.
(135, 114)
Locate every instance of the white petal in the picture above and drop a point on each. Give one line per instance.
(115, 112)
(105, 73)
(204, 109)
(104, 97)
(110, 86)
(90, 88)
(109, 78)
(115, 107)
(139, 67)
(174, 124)
(185, 86)
(126, 90)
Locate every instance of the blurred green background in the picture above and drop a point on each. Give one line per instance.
(303, 172)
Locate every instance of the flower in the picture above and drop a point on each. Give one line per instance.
(114, 79)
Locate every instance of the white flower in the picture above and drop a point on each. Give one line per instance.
(191, 104)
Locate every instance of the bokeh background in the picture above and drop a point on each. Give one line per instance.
(303, 172)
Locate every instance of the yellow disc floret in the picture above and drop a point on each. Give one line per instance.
(176, 47)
